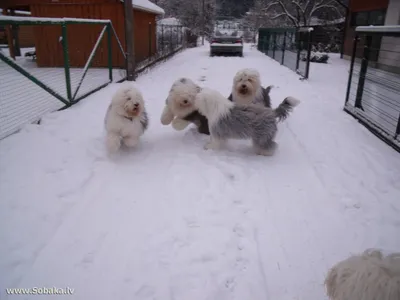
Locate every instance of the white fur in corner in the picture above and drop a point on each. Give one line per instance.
(368, 276)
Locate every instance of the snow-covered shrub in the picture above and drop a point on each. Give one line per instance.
(315, 56)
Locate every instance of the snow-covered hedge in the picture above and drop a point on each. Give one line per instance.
(315, 56)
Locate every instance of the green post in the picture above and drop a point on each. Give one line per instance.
(66, 61)
(283, 47)
(109, 46)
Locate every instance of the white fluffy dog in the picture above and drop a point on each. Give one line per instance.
(228, 120)
(368, 276)
(126, 118)
(179, 109)
(247, 89)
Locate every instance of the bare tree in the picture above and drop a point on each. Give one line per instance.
(258, 16)
(190, 13)
(300, 12)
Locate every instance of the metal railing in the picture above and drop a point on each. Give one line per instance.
(61, 70)
(291, 47)
(373, 91)
(169, 40)
(72, 59)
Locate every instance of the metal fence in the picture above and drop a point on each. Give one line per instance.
(289, 46)
(169, 40)
(373, 92)
(72, 58)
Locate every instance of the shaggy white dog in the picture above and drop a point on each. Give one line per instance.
(179, 107)
(228, 120)
(126, 118)
(247, 89)
(368, 276)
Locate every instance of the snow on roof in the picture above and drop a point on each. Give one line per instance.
(317, 21)
(148, 6)
(371, 28)
(49, 20)
(20, 12)
(169, 21)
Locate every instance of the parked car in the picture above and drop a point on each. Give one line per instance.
(226, 44)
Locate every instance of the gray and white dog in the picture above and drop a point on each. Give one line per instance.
(228, 120)
(247, 89)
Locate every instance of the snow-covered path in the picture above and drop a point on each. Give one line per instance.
(172, 221)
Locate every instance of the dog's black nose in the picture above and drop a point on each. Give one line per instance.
(136, 104)
(185, 101)
(243, 85)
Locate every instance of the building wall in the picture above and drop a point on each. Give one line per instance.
(390, 48)
(360, 6)
(82, 37)
(366, 5)
(25, 33)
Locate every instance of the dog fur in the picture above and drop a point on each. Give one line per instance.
(247, 89)
(228, 120)
(179, 107)
(126, 118)
(368, 276)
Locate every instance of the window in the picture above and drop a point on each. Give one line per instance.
(377, 17)
(360, 18)
(365, 18)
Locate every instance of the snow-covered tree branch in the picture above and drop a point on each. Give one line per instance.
(190, 13)
(301, 12)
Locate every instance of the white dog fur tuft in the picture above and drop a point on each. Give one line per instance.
(368, 276)
(293, 101)
(126, 118)
(212, 104)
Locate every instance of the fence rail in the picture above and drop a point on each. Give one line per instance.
(289, 46)
(71, 59)
(169, 40)
(373, 92)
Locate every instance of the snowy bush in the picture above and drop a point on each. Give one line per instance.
(315, 56)
(319, 57)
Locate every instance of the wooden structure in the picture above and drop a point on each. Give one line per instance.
(25, 33)
(82, 37)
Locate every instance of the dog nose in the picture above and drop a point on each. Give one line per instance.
(136, 104)
(243, 85)
(185, 101)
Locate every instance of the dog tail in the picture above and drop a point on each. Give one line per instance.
(287, 105)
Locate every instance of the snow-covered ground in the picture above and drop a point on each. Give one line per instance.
(173, 221)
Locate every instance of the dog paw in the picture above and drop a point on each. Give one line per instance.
(113, 144)
(269, 151)
(131, 142)
(179, 124)
(211, 146)
(167, 116)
